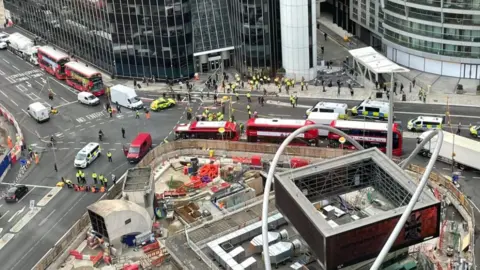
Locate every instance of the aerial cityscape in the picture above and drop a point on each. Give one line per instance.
(239, 134)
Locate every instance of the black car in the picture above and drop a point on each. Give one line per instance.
(14, 194)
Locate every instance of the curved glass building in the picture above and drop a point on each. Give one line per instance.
(435, 36)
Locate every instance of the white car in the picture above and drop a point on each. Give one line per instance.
(3, 45)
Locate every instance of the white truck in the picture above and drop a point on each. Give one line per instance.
(323, 118)
(125, 97)
(466, 150)
(23, 47)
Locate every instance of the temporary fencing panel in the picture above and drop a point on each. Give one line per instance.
(5, 163)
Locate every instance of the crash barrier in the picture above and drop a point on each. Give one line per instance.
(440, 180)
(15, 151)
(190, 148)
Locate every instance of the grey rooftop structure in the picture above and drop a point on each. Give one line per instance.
(138, 179)
(362, 227)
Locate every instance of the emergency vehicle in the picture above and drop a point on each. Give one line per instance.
(162, 104)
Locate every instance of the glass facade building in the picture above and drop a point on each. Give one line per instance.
(80, 27)
(257, 35)
(167, 39)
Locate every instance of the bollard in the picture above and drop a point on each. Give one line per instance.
(404, 97)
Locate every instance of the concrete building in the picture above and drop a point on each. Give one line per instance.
(139, 188)
(434, 36)
(113, 219)
(168, 39)
(299, 38)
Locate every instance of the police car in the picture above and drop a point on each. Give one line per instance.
(162, 104)
(87, 155)
(372, 109)
(424, 123)
(474, 130)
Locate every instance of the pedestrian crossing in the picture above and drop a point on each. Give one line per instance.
(16, 216)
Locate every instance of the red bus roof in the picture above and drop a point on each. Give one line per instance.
(207, 125)
(82, 69)
(279, 122)
(363, 125)
(141, 137)
(52, 53)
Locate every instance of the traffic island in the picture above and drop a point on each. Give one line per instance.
(192, 211)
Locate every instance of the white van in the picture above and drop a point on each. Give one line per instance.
(125, 97)
(330, 107)
(372, 109)
(323, 119)
(424, 123)
(87, 155)
(39, 112)
(88, 98)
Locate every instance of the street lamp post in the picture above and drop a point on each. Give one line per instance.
(390, 120)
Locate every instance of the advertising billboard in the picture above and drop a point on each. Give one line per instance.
(365, 242)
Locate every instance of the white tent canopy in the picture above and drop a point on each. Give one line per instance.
(374, 62)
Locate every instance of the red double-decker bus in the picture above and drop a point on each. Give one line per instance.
(368, 134)
(52, 61)
(276, 130)
(84, 78)
(209, 130)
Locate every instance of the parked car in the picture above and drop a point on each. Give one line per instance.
(16, 193)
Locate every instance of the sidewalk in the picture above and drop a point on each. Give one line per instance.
(441, 88)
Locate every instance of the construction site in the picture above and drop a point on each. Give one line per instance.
(203, 211)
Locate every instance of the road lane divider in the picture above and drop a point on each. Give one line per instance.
(46, 218)
(16, 214)
(5, 239)
(49, 196)
(4, 214)
(25, 220)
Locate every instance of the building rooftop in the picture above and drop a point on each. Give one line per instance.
(138, 179)
(368, 172)
(105, 208)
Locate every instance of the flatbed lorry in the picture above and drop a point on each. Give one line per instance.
(455, 148)
(23, 47)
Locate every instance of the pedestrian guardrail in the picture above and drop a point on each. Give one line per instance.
(201, 148)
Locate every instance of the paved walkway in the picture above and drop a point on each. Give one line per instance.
(439, 88)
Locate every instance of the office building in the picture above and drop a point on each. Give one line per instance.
(440, 37)
(167, 39)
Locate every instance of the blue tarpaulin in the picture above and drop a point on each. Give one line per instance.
(4, 163)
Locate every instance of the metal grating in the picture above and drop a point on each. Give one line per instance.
(211, 25)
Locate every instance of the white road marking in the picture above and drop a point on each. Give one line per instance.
(92, 126)
(280, 115)
(15, 68)
(66, 104)
(436, 114)
(5, 239)
(25, 220)
(77, 148)
(3, 93)
(70, 142)
(474, 205)
(118, 143)
(16, 214)
(66, 87)
(46, 218)
(5, 214)
(63, 148)
(476, 177)
(65, 100)
(447, 169)
(112, 149)
(82, 129)
(25, 112)
(26, 194)
(2, 73)
(77, 126)
(33, 247)
(39, 84)
(1, 205)
(6, 61)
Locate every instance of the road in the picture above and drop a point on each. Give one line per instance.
(22, 84)
(76, 125)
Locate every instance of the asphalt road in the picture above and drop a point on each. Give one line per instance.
(22, 84)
